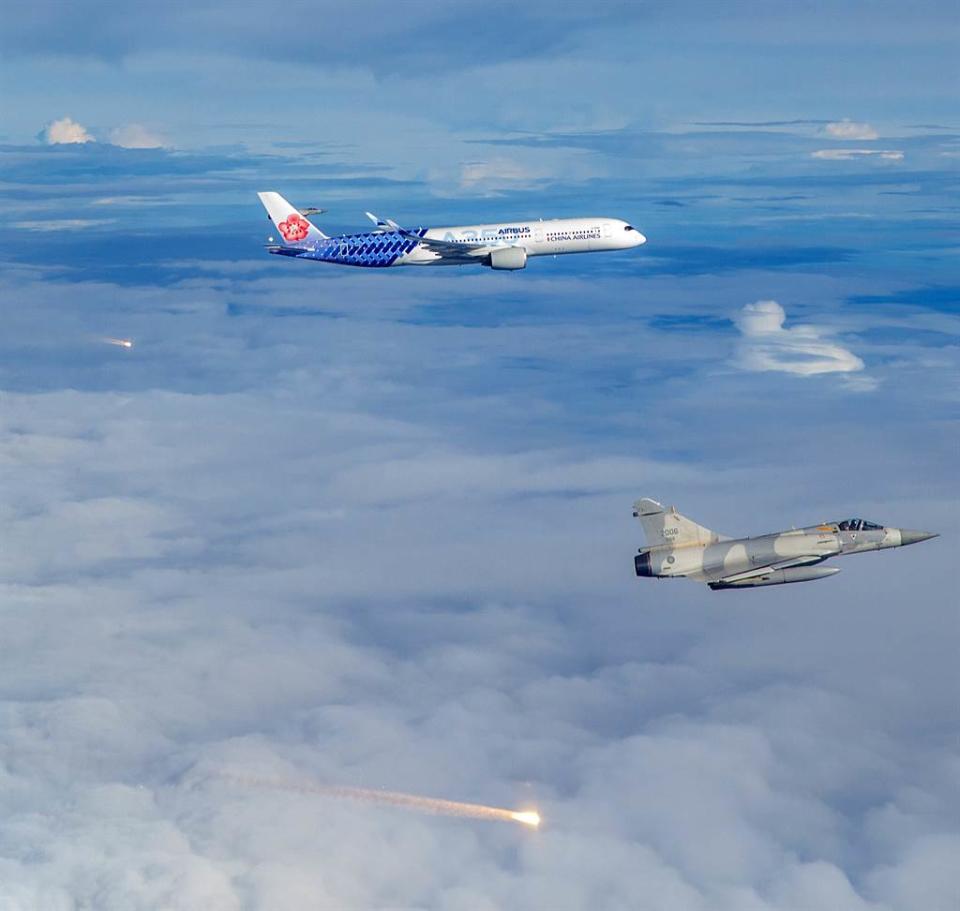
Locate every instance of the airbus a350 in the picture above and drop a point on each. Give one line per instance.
(504, 245)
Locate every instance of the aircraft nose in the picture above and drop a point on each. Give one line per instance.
(631, 236)
(915, 537)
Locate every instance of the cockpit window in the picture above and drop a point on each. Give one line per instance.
(629, 228)
(858, 525)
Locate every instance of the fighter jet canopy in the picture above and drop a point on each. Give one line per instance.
(858, 525)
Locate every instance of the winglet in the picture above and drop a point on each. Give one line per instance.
(384, 224)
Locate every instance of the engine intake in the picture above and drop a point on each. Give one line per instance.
(509, 258)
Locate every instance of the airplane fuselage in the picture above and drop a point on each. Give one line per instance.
(558, 236)
(730, 557)
(680, 548)
(551, 237)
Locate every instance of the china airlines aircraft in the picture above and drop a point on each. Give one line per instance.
(499, 246)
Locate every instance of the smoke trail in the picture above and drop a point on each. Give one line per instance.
(433, 805)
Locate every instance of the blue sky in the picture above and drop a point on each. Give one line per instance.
(373, 528)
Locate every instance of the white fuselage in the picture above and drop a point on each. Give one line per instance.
(538, 238)
(502, 246)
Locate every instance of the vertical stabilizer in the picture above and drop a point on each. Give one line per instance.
(664, 525)
(292, 226)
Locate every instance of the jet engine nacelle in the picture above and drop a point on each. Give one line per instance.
(508, 258)
(779, 577)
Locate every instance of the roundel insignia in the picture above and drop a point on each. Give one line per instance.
(294, 227)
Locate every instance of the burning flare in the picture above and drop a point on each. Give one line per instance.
(120, 342)
(394, 799)
(527, 817)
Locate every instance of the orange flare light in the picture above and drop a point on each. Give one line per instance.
(394, 799)
(527, 817)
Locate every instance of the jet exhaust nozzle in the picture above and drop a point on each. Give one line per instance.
(641, 563)
(778, 577)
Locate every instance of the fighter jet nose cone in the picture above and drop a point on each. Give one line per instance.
(641, 238)
(915, 537)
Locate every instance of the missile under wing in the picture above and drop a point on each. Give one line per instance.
(678, 547)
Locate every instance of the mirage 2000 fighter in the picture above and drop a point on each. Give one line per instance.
(678, 547)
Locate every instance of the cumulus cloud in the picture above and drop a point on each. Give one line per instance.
(849, 129)
(65, 131)
(135, 136)
(851, 154)
(801, 350)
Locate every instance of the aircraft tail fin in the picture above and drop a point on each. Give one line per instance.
(294, 228)
(664, 525)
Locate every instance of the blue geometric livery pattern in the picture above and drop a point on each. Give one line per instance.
(373, 250)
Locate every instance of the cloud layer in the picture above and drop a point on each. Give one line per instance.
(373, 530)
(852, 154)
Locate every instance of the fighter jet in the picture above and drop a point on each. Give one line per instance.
(505, 245)
(679, 547)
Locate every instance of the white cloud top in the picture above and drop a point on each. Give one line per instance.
(135, 136)
(848, 129)
(65, 131)
(802, 350)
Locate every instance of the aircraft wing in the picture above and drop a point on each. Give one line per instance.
(449, 248)
(805, 560)
(445, 248)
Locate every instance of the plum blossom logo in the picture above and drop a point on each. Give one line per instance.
(294, 228)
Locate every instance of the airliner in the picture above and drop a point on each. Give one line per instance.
(504, 246)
